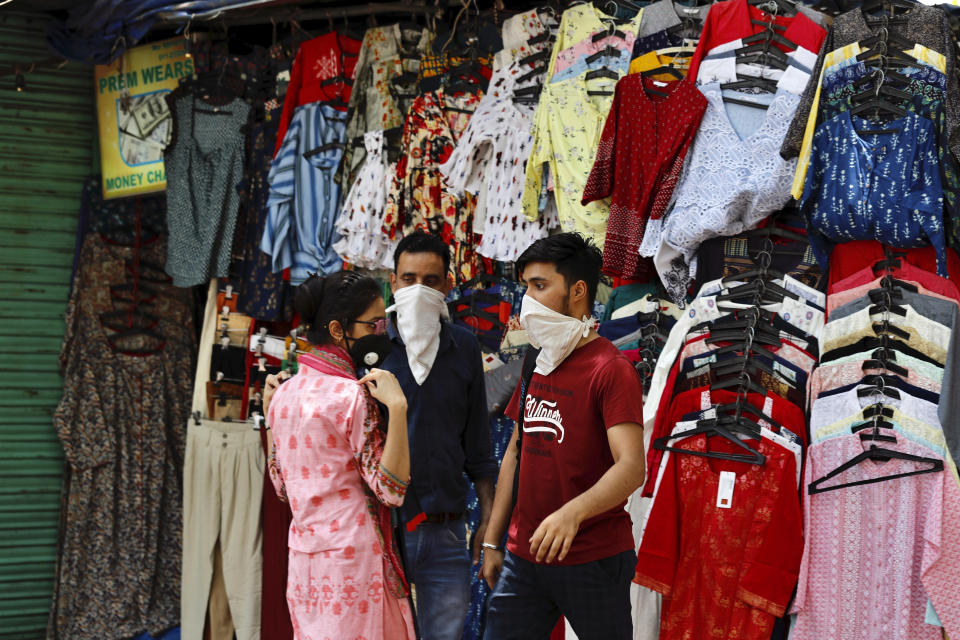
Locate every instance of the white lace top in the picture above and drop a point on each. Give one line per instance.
(731, 182)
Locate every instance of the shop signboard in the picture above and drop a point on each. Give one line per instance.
(134, 122)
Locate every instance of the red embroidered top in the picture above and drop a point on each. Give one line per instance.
(641, 151)
(725, 572)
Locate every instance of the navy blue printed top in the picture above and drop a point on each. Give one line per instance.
(885, 186)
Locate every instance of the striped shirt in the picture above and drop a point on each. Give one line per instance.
(304, 197)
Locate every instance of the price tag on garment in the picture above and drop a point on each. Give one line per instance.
(699, 362)
(728, 479)
(789, 374)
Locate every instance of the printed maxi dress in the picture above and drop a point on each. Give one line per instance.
(345, 580)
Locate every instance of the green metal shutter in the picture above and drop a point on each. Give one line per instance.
(46, 149)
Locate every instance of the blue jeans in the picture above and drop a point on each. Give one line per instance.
(594, 597)
(438, 564)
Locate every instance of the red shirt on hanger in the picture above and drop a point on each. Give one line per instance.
(726, 570)
(851, 265)
(331, 56)
(783, 411)
(730, 20)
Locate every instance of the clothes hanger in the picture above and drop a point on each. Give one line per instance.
(878, 454)
(884, 47)
(607, 52)
(542, 37)
(769, 35)
(533, 73)
(887, 18)
(780, 7)
(746, 363)
(713, 428)
(540, 56)
(774, 230)
(668, 69)
(339, 78)
(528, 94)
(886, 361)
(744, 103)
(610, 32)
(602, 72)
(738, 408)
(763, 49)
(745, 81)
(462, 86)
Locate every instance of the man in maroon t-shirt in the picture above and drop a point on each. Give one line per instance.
(570, 546)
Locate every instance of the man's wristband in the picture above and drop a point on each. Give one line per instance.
(492, 547)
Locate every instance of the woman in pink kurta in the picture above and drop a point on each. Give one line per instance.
(340, 473)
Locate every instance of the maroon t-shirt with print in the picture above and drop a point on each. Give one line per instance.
(565, 447)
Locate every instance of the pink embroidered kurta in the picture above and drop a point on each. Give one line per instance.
(344, 583)
(876, 552)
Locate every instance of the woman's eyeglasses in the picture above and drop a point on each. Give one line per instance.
(379, 326)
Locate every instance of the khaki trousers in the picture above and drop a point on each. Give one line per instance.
(222, 495)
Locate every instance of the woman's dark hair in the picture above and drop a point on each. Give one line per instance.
(575, 258)
(342, 296)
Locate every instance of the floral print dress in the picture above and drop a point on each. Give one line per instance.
(361, 215)
(420, 197)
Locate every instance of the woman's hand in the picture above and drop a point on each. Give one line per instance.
(383, 386)
(270, 386)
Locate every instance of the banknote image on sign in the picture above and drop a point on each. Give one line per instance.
(144, 127)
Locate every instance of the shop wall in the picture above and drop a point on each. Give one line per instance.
(46, 149)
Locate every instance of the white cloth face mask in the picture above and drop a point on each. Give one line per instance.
(419, 309)
(555, 334)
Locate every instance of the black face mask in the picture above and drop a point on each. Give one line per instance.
(369, 352)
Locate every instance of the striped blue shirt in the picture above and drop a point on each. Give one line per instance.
(304, 197)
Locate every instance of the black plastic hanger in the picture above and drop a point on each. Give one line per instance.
(528, 92)
(463, 86)
(768, 35)
(738, 409)
(610, 32)
(774, 230)
(765, 51)
(750, 82)
(785, 7)
(745, 103)
(668, 69)
(606, 52)
(540, 56)
(886, 363)
(878, 454)
(886, 19)
(533, 73)
(713, 428)
(543, 36)
(323, 149)
(880, 388)
(602, 72)
(886, 328)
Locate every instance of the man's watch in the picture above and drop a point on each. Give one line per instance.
(492, 547)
